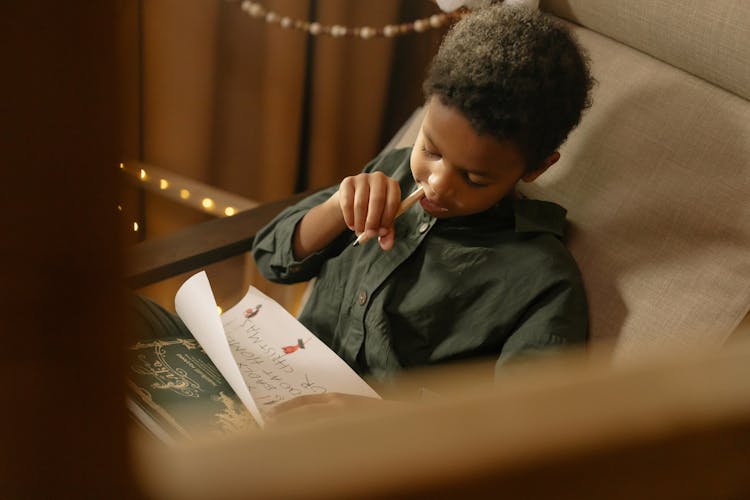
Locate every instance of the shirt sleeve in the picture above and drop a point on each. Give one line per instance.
(273, 248)
(558, 318)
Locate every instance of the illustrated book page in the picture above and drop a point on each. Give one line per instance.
(266, 355)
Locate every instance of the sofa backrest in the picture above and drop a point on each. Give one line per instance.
(656, 178)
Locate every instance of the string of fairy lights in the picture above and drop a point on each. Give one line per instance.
(183, 190)
(257, 11)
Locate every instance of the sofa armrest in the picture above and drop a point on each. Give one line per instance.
(198, 245)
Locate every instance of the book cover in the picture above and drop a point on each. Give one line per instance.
(176, 392)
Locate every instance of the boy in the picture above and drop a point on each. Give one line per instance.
(475, 270)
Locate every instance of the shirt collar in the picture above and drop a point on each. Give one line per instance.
(522, 214)
(536, 216)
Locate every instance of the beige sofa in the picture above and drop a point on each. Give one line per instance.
(657, 177)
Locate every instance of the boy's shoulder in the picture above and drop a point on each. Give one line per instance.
(538, 245)
(541, 227)
(539, 216)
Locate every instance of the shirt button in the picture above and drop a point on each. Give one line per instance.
(423, 227)
(362, 297)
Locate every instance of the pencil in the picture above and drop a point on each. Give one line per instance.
(407, 202)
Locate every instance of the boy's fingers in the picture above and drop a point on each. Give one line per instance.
(361, 202)
(316, 406)
(376, 204)
(386, 240)
(393, 201)
(346, 201)
(300, 401)
(369, 202)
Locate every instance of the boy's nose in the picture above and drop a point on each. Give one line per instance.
(439, 183)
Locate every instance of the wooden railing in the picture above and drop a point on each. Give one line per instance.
(199, 245)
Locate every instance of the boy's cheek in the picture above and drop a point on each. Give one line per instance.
(414, 159)
(417, 169)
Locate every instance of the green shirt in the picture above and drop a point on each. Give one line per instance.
(499, 283)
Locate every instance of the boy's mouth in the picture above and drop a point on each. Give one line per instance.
(431, 206)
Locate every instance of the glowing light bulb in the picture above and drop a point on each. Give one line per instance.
(163, 184)
(119, 208)
(135, 226)
(207, 203)
(184, 194)
(143, 175)
(218, 308)
(122, 166)
(229, 211)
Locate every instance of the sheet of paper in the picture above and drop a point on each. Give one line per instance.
(280, 358)
(196, 306)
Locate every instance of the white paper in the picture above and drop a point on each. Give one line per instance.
(280, 358)
(266, 355)
(196, 306)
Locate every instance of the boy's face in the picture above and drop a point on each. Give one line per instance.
(463, 173)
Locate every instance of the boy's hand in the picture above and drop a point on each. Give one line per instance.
(318, 407)
(369, 203)
(363, 203)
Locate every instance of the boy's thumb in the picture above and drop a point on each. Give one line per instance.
(386, 240)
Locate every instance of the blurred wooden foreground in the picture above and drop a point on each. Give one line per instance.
(672, 429)
(572, 428)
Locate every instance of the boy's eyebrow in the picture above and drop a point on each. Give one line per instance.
(427, 136)
(479, 173)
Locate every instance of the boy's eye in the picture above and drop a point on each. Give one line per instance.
(429, 153)
(467, 178)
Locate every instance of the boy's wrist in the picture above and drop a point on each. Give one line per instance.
(332, 208)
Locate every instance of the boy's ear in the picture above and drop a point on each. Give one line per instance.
(547, 163)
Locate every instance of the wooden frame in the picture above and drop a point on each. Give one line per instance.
(566, 429)
(199, 245)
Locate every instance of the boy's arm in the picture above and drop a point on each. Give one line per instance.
(273, 248)
(318, 228)
(556, 320)
(364, 203)
(294, 245)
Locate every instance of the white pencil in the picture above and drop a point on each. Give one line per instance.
(410, 200)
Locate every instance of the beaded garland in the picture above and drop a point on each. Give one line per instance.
(258, 11)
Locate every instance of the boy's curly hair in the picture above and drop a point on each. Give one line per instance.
(516, 75)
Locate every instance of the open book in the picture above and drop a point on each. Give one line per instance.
(239, 364)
